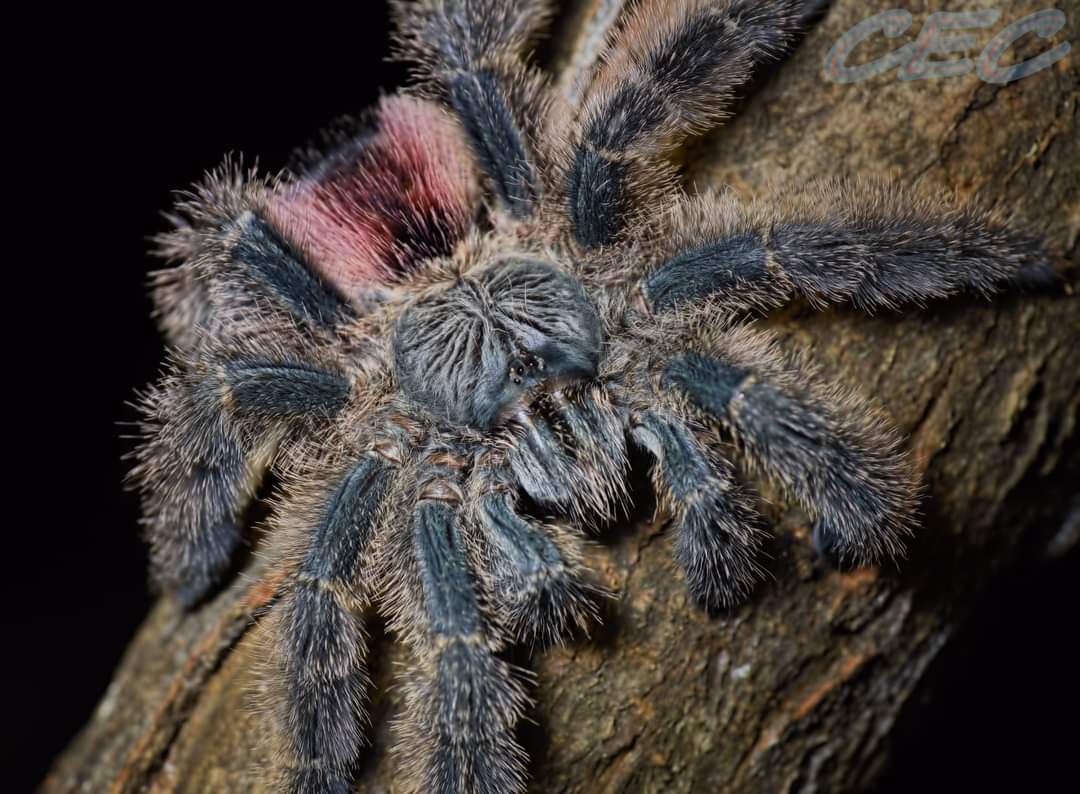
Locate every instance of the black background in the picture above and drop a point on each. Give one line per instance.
(119, 112)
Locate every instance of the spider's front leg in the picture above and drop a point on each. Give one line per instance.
(320, 673)
(876, 245)
(535, 570)
(717, 530)
(825, 447)
(463, 702)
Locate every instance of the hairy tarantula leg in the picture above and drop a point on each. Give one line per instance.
(878, 246)
(672, 69)
(827, 448)
(265, 263)
(716, 527)
(322, 676)
(238, 267)
(472, 50)
(195, 476)
(570, 455)
(542, 465)
(209, 432)
(249, 267)
(463, 701)
(270, 390)
(600, 447)
(183, 301)
(536, 570)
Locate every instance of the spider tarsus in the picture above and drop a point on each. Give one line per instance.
(717, 530)
(192, 583)
(1040, 275)
(825, 447)
(545, 609)
(812, 10)
(315, 780)
(828, 543)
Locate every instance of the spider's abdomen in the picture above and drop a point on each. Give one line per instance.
(471, 353)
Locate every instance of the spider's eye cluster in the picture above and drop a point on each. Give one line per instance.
(470, 353)
(524, 366)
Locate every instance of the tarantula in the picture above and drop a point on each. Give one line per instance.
(445, 329)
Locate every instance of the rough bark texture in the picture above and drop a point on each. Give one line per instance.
(799, 689)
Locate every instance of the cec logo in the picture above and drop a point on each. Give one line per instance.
(939, 37)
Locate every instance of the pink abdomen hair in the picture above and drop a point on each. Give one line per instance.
(382, 201)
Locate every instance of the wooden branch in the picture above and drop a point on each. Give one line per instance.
(799, 689)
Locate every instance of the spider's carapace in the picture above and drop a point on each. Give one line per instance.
(469, 352)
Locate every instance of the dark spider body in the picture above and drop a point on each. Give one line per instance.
(471, 354)
(446, 330)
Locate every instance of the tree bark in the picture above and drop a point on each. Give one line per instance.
(799, 689)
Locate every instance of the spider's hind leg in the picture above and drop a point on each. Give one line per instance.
(671, 70)
(210, 430)
(250, 322)
(472, 51)
(828, 449)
